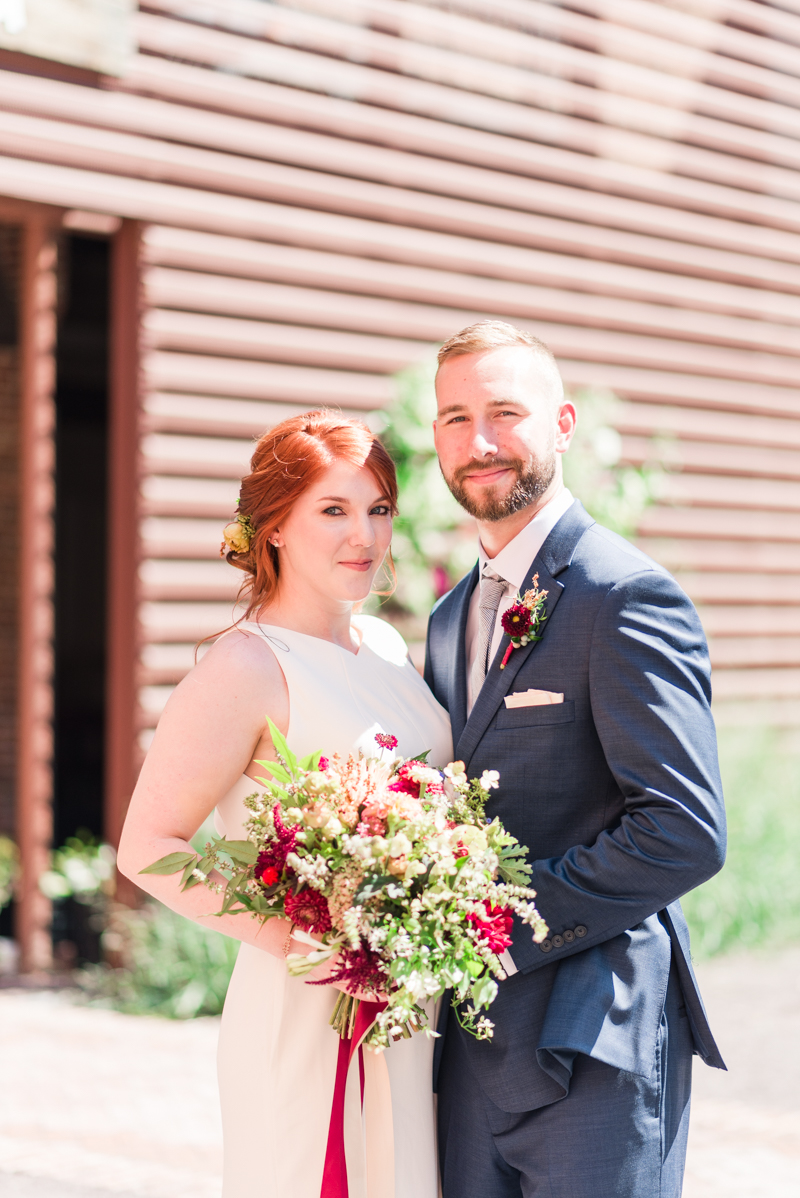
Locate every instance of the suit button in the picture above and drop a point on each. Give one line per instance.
(580, 930)
(558, 942)
(569, 935)
(546, 946)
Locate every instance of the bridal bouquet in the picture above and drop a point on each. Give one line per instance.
(394, 869)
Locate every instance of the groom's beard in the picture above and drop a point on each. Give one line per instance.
(532, 480)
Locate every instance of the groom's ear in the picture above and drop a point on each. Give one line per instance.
(566, 424)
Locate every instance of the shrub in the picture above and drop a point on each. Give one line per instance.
(170, 965)
(755, 899)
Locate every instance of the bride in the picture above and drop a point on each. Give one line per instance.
(314, 527)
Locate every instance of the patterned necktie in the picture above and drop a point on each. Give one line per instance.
(493, 588)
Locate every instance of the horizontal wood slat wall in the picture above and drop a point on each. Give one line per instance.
(329, 188)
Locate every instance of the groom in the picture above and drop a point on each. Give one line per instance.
(606, 749)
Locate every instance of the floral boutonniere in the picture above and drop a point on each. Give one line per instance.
(524, 619)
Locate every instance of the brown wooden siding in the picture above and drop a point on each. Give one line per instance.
(328, 188)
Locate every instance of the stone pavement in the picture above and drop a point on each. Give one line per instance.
(745, 1131)
(94, 1104)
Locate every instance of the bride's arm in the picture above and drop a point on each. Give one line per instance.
(211, 729)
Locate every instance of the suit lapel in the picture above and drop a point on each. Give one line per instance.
(457, 675)
(554, 557)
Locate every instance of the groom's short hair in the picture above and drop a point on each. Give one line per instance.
(494, 334)
(491, 334)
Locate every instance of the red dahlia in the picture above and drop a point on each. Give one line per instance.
(517, 620)
(309, 910)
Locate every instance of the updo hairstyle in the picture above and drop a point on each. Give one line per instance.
(287, 461)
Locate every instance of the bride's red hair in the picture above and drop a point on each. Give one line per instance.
(287, 461)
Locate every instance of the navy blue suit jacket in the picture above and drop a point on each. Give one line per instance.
(615, 791)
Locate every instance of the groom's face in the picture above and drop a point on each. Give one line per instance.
(500, 426)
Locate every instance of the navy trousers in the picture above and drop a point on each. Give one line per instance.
(614, 1135)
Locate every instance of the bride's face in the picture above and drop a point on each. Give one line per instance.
(337, 534)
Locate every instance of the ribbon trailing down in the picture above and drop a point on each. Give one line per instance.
(334, 1175)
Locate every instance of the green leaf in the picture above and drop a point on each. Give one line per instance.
(173, 863)
(423, 757)
(277, 771)
(282, 748)
(372, 886)
(243, 852)
(484, 991)
(512, 864)
(311, 762)
(187, 881)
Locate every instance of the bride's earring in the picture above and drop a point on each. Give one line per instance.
(274, 541)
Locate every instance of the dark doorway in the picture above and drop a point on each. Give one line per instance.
(81, 534)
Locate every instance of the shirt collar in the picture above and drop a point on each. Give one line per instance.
(514, 561)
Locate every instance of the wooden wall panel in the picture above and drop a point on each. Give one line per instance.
(329, 188)
(124, 544)
(36, 577)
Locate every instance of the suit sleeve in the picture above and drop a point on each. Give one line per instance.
(650, 698)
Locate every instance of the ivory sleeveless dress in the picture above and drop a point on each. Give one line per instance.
(277, 1052)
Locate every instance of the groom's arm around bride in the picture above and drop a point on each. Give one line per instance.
(608, 772)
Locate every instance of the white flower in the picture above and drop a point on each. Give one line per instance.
(471, 837)
(424, 774)
(400, 846)
(413, 870)
(313, 870)
(490, 780)
(455, 770)
(421, 984)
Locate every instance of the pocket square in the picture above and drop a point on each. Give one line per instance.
(532, 698)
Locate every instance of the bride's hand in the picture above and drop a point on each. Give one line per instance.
(361, 995)
(320, 973)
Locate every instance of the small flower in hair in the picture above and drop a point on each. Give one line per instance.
(237, 535)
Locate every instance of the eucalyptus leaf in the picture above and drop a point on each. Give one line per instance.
(173, 863)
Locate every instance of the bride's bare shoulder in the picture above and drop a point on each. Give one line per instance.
(240, 655)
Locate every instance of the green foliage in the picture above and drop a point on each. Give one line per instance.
(8, 870)
(82, 869)
(172, 966)
(755, 899)
(434, 541)
(173, 863)
(615, 495)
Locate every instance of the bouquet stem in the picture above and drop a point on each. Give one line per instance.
(343, 1019)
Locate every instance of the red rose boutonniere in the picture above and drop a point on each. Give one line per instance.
(523, 619)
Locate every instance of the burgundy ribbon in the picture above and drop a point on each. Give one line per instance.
(334, 1175)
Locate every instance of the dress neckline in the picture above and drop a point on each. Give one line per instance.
(310, 636)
